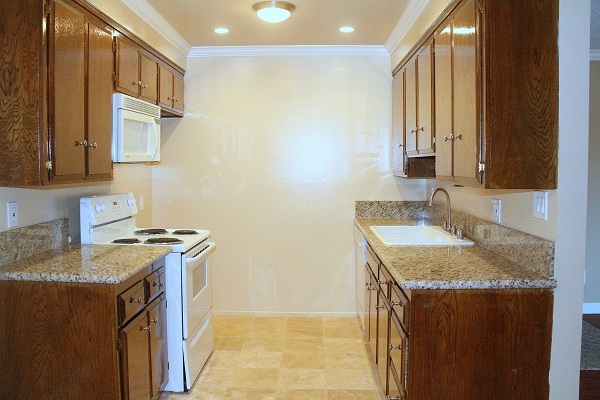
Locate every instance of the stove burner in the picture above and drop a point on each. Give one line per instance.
(163, 240)
(153, 231)
(185, 232)
(126, 241)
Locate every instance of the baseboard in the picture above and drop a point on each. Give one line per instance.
(591, 308)
(287, 314)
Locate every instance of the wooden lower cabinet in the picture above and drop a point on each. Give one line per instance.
(73, 341)
(457, 344)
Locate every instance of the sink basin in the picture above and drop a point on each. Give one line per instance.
(410, 235)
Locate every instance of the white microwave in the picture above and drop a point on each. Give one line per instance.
(136, 130)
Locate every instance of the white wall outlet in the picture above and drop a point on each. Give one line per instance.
(12, 214)
(141, 202)
(496, 210)
(540, 205)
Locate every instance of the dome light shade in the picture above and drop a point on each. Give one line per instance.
(273, 11)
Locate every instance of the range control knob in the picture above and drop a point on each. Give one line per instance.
(103, 207)
(130, 202)
(98, 207)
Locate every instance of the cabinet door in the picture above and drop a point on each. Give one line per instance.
(165, 89)
(100, 88)
(398, 127)
(128, 69)
(135, 359)
(372, 293)
(424, 99)
(397, 372)
(443, 102)
(157, 315)
(411, 108)
(148, 79)
(466, 146)
(67, 93)
(383, 326)
(178, 88)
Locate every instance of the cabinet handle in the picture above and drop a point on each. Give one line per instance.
(380, 307)
(176, 99)
(138, 300)
(94, 145)
(422, 129)
(452, 138)
(145, 86)
(134, 83)
(145, 328)
(82, 143)
(397, 303)
(392, 347)
(394, 398)
(155, 320)
(168, 98)
(383, 282)
(140, 83)
(400, 145)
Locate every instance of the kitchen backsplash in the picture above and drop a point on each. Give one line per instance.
(532, 252)
(25, 242)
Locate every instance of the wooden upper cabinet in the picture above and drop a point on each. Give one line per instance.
(398, 127)
(444, 128)
(425, 100)
(128, 68)
(165, 79)
(178, 86)
(170, 96)
(411, 107)
(100, 88)
(148, 79)
(67, 92)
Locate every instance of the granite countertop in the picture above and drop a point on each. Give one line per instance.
(84, 264)
(448, 267)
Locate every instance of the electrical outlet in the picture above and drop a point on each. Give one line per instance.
(12, 214)
(540, 205)
(496, 210)
(141, 202)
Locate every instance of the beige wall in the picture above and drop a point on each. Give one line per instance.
(120, 12)
(592, 262)
(270, 157)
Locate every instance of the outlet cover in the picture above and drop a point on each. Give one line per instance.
(540, 205)
(496, 210)
(12, 214)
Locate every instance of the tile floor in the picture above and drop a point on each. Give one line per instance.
(273, 358)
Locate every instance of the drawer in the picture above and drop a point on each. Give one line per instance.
(385, 279)
(131, 302)
(400, 305)
(396, 389)
(398, 354)
(155, 283)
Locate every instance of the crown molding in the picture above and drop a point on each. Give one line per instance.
(594, 55)
(268, 51)
(405, 24)
(147, 13)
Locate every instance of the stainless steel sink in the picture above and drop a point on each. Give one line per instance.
(411, 235)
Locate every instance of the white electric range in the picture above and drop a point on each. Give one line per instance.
(111, 220)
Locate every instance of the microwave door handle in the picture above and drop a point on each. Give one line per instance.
(155, 138)
(201, 255)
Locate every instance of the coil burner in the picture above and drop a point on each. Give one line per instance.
(163, 240)
(153, 231)
(185, 232)
(126, 241)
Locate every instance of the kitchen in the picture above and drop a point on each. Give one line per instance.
(264, 195)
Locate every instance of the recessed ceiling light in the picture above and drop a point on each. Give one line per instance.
(346, 29)
(221, 30)
(273, 11)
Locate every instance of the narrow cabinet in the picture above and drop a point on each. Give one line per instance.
(171, 88)
(398, 124)
(136, 71)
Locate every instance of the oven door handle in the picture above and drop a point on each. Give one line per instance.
(202, 254)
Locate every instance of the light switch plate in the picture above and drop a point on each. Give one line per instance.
(12, 214)
(141, 202)
(540, 204)
(496, 210)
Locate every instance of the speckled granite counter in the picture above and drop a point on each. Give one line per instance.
(429, 267)
(84, 264)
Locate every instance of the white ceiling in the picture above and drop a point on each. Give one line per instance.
(315, 22)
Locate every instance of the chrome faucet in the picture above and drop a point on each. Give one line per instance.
(447, 223)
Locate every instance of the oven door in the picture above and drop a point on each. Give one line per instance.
(197, 296)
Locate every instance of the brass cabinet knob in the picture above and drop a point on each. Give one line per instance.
(397, 303)
(134, 83)
(155, 320)
(145, 328)
(94, 145)
(82, 143)
(138, 300)
(392, 347)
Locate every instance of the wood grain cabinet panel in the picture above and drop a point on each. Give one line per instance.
(127, 61)
(135, 359)
(165, 78)
(411, 105)
(148, 79)
(178, 93)
(425, 100)
(157, 317)
(398, 127)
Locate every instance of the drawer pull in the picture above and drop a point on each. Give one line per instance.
(138, 300)
(155, 320)
(392, 347)
(380, 307)
(383, 282)
(154, 284)
(397, 303)
(145, 328)
(394, 398)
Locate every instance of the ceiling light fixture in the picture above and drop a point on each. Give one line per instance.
(221, 30)
(346, 29)
(273, 11)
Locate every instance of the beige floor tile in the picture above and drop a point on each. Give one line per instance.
(223, 359)
(347, 360)
(278, 321)
(304, 321)
(232, 329)
(265, 344)
(304, 332)
(352, 395)
(250, 394)
(211, 376)
(229, 343)
(301, 394)
(304, 345)
(199, 392)
(258, 358)
(343, 322)
(232, 319)
(254, 378)
(303, 360)
(301, 379)
(266, 331)
(349, 379)
(344, 345)
(342, 332)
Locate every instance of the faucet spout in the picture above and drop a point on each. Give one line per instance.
(448, 225)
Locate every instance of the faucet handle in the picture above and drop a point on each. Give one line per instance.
(453, 230)
(445, 226)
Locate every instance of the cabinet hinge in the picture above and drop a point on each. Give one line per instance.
(119, 344)
(481, 167)
(114, 77)
(480, 6)
(47, 8)
(114, 45)
(49, 165)
(433, 140)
